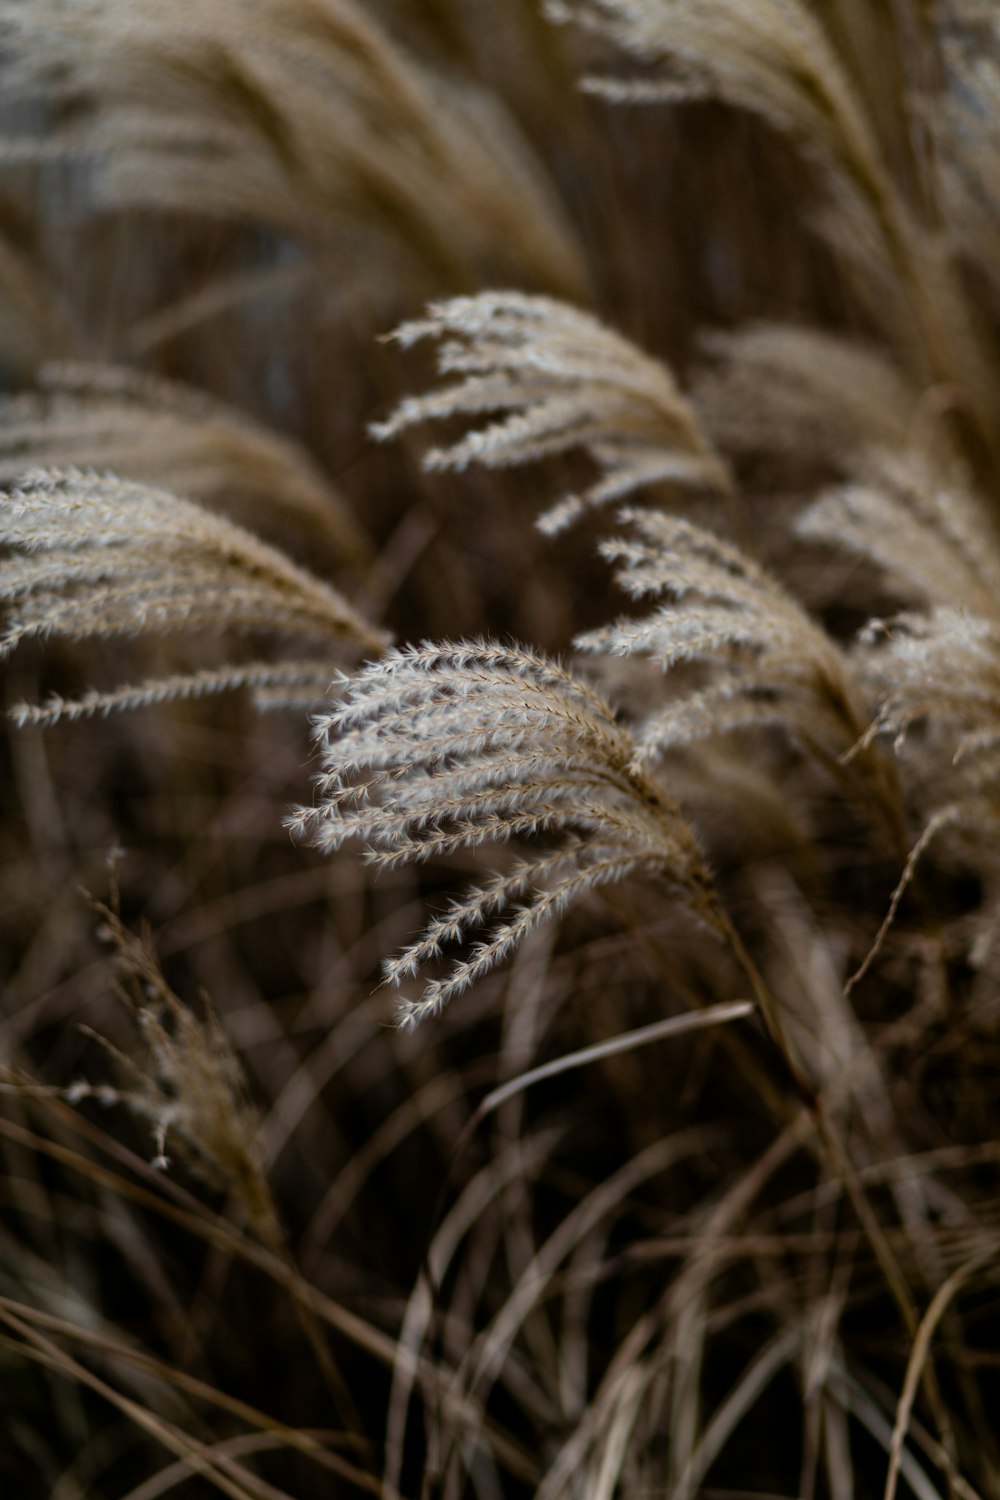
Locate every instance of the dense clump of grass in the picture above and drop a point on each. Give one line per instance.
(641, 594)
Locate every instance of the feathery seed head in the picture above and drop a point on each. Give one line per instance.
(929, 533)
(560, 380)
(936, 680)
(189, 1083)
(306, 117)
(942, 668)
(111, 418)
(94, 556)
(438, 748)
(774, 664)
(780, 60)
(803, 393)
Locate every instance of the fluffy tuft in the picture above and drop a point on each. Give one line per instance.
(441, 748)
(558, 379)
(92, 556)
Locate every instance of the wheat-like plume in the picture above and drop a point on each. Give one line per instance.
(161, 432)
(94, 556)
(303, 115)
(439, 748)
(188, 1084)
(936, 680)
(924, 527)
(777, 60)
(940, 669)
(773, 58)
(560, 380)
(714, 604)
(817, 397)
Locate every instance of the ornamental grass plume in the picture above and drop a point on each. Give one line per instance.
(802, 393)
(304, 116)
(716, 605)
(187, 1082)
(439, 748)
(559, 380)
(778, 60)
(705, 1150)
(936, 678)
(113, 419)
(932, 536)
(93, 556)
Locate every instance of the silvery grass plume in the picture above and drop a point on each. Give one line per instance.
(107, 417)
(776, 59)
(936, 680)
(94, 556)
(188, 1083)
(923, 526)
(560, 380)
(941, 671)
(772, 57)
(302, 115)
(799, 393)
(440, 748)
(772, 663)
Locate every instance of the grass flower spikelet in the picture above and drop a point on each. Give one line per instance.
(559, 379)
(439, 748)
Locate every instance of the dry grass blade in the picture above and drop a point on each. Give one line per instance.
(520, 1162)
(95, 556)
(854, 1399)
(265, 1430)
(945, 1294)
(626, 1041)
(439, 748)
(741, 1399)
(219, 1470)
(559, 380)
(487, 1357)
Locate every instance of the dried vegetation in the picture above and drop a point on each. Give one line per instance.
(642, 590)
